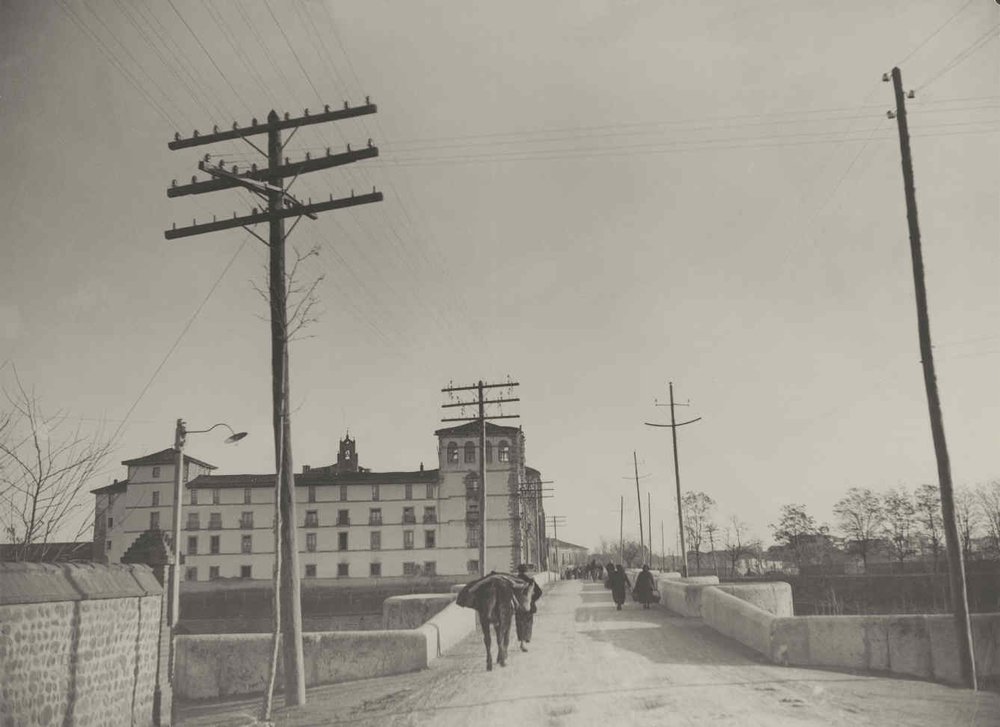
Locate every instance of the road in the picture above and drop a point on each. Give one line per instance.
(592, 665)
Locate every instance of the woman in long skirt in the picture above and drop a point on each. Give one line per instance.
(524, 621)
(644, 587)
(619, 586)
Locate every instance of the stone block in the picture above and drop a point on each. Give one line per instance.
(95, 581)
(909, 646)
(34, 583)
(775, 598)
(409, 612)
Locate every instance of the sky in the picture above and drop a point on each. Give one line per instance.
(594, 198)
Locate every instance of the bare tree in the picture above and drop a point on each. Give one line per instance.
(634, 552)
(697, 507)
(928, 504)
(989, 507)
(795, 530)
(967, 516)
(300, 298)
(860, 514)
(900, 515)
(735, 542)
(46, 466)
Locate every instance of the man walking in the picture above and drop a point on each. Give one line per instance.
(524, 620)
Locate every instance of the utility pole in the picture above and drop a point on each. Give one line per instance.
(677, 477)
(649, 519)
(532, 492)
(956, 570)
(481, 402)
(557, 520)
(621, 531)
(269, 184)
(663, 549)
(638, 497)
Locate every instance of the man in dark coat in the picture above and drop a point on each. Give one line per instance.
(644, 587)
(619, 586)
(525, 620)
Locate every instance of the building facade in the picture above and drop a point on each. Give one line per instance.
(352, 522)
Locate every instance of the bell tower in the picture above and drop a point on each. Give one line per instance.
(347, 457)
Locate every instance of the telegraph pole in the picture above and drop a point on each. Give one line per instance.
(663, 548)
(649, 519)
(269, 185)
(533, 492)
(677, 477)
(621, 531)
(556, 521)
(956, 570)
(481, 402)
(638, 497)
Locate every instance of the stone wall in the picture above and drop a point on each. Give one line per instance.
(79, 644)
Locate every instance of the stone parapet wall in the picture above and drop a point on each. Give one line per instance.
(78, 644)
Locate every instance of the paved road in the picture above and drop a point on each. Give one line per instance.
(592, 665)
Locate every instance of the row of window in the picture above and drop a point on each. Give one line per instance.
(503, 452)
(376, 494)
(311, 518)
(427, 568)
(374, 542)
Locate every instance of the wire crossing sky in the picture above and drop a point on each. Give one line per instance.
(592, 197)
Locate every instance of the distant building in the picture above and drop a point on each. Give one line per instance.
(566, 554)
(352, 522)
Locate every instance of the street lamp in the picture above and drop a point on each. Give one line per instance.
(180, 435)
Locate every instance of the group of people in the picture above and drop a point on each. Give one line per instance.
(617, 580)
(593, 570)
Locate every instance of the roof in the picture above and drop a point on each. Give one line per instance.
(115, 486)
(312, 477)
(165, 456)
(472, 429)
(563, 544)
(47, 552)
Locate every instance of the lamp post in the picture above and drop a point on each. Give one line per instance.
(180, 435)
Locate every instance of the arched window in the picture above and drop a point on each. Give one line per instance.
(489, 451)
(503, 452)
(470, 452)
(452, 452)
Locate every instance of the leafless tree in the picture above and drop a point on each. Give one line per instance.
(795, 530)
(860, 514)
(989, 507)
(697, 508)
(928, 504)
(900, 515)
(46, 465)
(967, 517)
(736, 542)
(300, 298)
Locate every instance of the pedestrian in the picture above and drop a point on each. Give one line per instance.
(611, 572)
(644, 587)
(525, 620)
(619, 586)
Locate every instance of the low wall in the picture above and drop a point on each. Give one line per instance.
(409, 612)
(79, 644)
(775, 598)
(738, 619)
(683, 595)
(222, 665)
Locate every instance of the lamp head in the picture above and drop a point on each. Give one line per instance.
(235, 437)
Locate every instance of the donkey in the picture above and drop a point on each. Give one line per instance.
(495, 598)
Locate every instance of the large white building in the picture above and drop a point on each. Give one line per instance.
(352, 522)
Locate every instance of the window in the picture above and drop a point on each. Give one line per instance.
(376, 539)
(430, 515)
(192, 545)
(408, 539)
(472, 537)
(156, 473)
(312, 519)
(193, 522)
(245, 571)
(472, 566)
(311, 542)
(109, 545)
(430, 492)
(375, 516)
(341, 541)
(246, 519)
(503, 452)
(375, 493)
(246, 495)
(215, 521)
(410, 569)
(194, 497)
(375, 570)
(343, 493)
(408, 491)
(312, 493)
(154, 521)
(489, 455)
(430, 568)
(216, 496)
(111, 522)
(156, 499)
(409, 518)
(310, 570)
(213, 572)
(343, 517)
(343, 570)
(213, 544)
(246, 544)
(191, 574)
(429, 538)
(470, 452)
(452, 452)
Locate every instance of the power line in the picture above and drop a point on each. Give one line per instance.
(934, 34)
(962, 56)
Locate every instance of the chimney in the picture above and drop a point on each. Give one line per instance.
(305, 468)
(421, 466)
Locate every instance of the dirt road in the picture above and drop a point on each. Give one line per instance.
(592, 665)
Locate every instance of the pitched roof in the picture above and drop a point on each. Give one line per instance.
(313, 477)
(115, 486)
(472, 428)
(165, 456)
(564, 544)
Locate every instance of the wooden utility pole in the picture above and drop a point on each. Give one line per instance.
(956, 570)
(269, 185)
(531, 494)
(663, 547)
(621, 531)
(638, 497)
(481, 418)
(556, 521)
(677, 478)
(649, 519)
